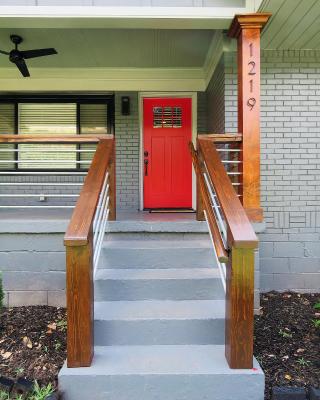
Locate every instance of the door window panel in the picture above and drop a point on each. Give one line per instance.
(167, 117)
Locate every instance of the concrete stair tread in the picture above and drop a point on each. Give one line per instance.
(157, 273)
(156, 244)
(159, 309)
(160, 360)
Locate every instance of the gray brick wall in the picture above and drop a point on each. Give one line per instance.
(215, 100)
(37, 185)
(290, 164)
(202, 112)
(127, 133)
(33, 268)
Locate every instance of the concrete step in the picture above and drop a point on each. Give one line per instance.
(157, 254)
(159, 322)
(161, 372)
(158, 284)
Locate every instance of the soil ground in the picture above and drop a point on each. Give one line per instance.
(287, 341)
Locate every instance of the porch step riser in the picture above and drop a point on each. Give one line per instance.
(143, 236)
(159, 332)
(161, 373)
(166, 387)
(183, 257)
(166, 289)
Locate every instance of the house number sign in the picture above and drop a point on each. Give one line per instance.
(251, 73)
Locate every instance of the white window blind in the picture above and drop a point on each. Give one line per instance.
(6, 128)
(93, 120)
(47, 119)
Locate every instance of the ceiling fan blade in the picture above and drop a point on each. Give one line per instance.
(4, 52)
(22, 66)
(37, 53)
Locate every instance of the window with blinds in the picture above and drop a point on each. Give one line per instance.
(93, 120)
(51, 119)
(7, 127)
(47, 119)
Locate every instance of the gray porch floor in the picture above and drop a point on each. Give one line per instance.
(56, 220)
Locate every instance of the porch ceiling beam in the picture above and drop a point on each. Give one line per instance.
(103, 79)
(119, 17)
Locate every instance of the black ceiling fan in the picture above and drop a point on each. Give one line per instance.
(18, 57)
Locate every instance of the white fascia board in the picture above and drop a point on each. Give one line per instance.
(130, 17)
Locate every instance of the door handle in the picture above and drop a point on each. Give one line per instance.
(146, 162)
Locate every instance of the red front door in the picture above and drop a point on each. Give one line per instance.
(167, 163)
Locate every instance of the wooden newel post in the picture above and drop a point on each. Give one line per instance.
(79, 304)
(239, 307)
(247, 30)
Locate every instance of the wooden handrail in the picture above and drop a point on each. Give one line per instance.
(78, 230)
(53, 138)
(216, 237)
(240, 247)
(79, 242)
(241, 233)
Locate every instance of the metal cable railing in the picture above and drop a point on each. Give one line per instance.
(27, 178)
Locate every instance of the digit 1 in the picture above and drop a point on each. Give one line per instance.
(251, 49)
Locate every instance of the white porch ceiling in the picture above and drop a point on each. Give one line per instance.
(112, 48)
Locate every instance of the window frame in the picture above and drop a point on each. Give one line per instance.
(58, 98)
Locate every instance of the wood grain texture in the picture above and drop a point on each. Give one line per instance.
(216, 236)
(199, 211)
(53, 139)
(247, 29)
(80, 305)
(82, 218)
(239, 308)
(79, 256)
(240, 231)
(222, 137)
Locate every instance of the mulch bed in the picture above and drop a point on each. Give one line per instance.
(33, 343)
(287, 343)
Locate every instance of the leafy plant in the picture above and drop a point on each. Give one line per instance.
(4, 396)
(57, 346)
(62, 325)
(40, 393)
(285, 334)
(303, 362)
(316, 323)
(1, 292)
(317, 306)
(19, 370)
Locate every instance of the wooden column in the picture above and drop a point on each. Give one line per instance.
(247, 29)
